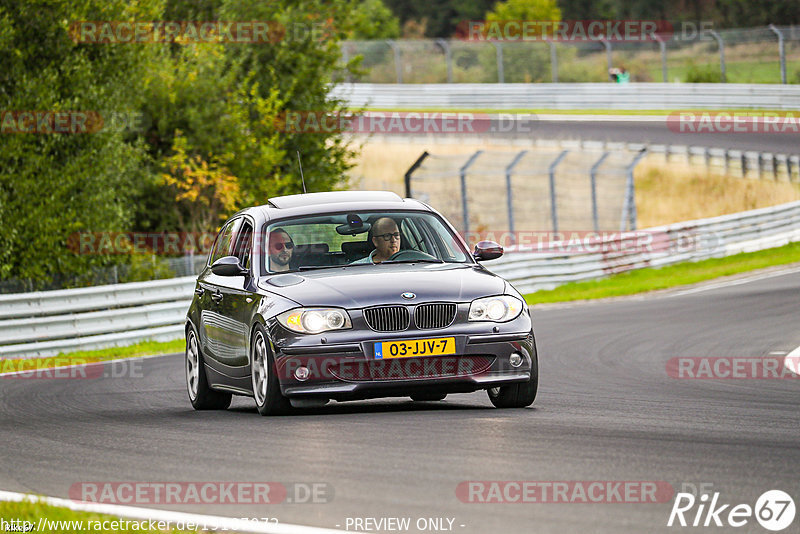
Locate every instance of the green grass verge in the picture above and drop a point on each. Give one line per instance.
(651, 279)
(621, 112)
(144, 348)
(91, 522)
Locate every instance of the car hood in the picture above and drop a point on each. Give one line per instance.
(371, 285)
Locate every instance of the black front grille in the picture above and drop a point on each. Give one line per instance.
(387, 318)
(434, 315)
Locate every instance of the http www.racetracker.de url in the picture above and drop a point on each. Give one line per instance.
(97, 525)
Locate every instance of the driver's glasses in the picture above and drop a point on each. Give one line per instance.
(390, 236)
(279, 246)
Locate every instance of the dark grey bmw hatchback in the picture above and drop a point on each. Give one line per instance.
(353, 295)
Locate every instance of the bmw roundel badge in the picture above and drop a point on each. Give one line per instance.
(408, 295)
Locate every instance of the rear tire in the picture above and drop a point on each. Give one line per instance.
(201, 395)
(266, 387)
(428, 397)
(517, 395)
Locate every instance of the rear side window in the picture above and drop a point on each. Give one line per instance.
(223, 245)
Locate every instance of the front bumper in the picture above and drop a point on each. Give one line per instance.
(350, 371)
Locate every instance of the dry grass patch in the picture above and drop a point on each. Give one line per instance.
(665, 193)
(680, 192)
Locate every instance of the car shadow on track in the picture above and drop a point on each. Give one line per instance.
(367, 407)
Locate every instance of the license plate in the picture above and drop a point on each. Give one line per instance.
(413, 348)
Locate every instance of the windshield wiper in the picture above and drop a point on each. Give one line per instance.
(421, 260)
(314, 267)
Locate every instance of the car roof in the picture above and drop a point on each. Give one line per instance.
(337, 201)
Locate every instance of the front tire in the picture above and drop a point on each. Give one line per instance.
(517, 395)
(201, 395)
(266, 388)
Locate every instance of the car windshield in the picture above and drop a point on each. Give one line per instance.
(359, 238)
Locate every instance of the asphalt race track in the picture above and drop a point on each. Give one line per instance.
(654, 130)
(621, 129)
(607, 410)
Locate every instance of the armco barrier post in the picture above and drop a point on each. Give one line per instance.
(448, 58)
(501, 78)
(593, 177)
(553, 61)
(510, 194)
(410, 171)
(781, 51)
(552, 172)
(629, 214)
(609, 58)
(462, 172)
(398, 60)
(721, 44)
(663, 46)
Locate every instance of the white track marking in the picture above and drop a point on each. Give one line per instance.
(735, 282)
(792, 361)
(215, 522)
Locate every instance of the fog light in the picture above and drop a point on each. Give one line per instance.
(301, 373)
(515, 359)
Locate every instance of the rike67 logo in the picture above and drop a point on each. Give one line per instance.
(774, 510)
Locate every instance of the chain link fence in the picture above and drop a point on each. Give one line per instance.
(755, 55)
(542, 190)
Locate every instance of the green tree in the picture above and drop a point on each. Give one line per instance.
(54, 185)
(539, 10)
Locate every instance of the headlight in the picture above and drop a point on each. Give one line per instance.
(498, 309)
(314, 320)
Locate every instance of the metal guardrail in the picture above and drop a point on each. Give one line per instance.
(46, 323)
(677, 96)
(530, 270)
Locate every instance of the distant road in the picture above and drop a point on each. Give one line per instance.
(625, 129)
(654, 130)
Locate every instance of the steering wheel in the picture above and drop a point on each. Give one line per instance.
(409, 254)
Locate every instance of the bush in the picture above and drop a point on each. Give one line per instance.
(703, 74)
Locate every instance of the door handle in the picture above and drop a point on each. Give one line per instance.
(199, 291)
(216, 296)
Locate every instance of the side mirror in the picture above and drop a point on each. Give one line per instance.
(487, 250)
(228, 266)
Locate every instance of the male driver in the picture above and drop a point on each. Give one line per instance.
(386, 238)
(281, 248)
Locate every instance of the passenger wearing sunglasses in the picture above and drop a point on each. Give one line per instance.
(281, 248)
(386, 238)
